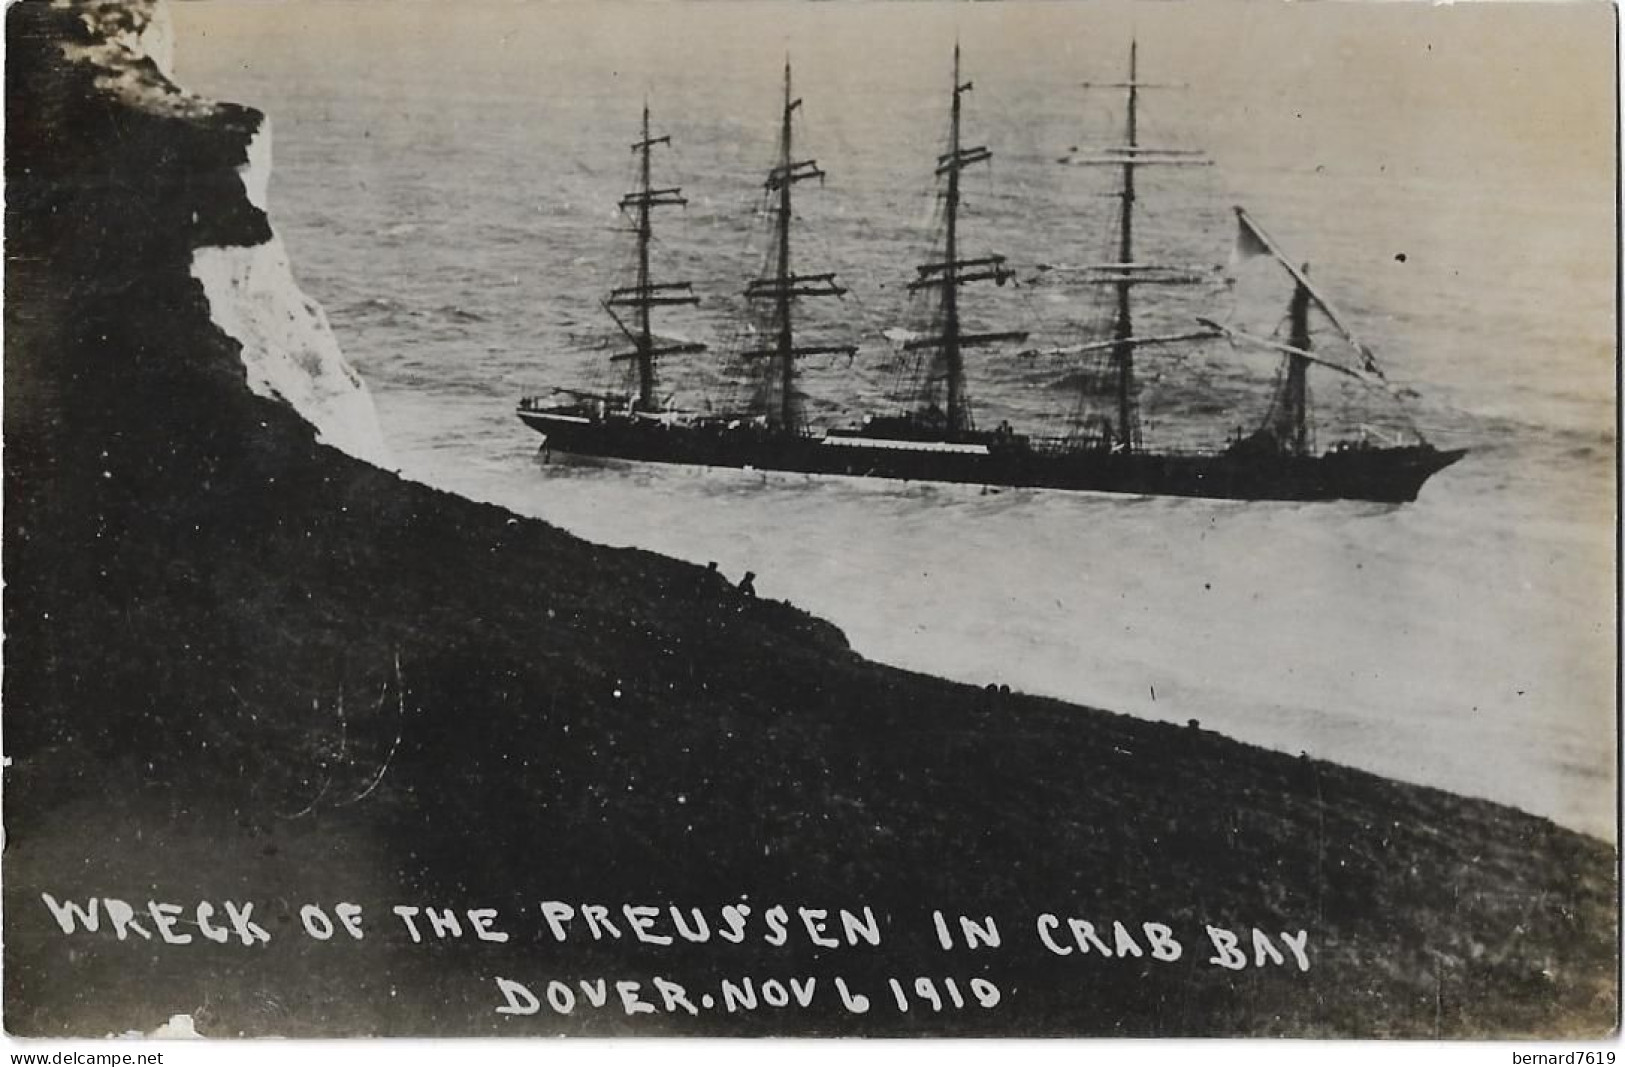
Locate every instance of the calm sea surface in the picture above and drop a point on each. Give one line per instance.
(446, 178)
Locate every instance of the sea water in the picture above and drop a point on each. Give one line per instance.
(446, 179)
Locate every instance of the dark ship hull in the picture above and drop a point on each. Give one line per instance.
(898, 449)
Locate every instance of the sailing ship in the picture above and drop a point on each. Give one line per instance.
(937, 438)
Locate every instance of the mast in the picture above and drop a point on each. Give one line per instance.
(1126, 273)
(1291, 410)
(1252, 230)
(950, 273)
(646, 293)
(1128, 430)
(787, 362)
(1294, 400)
(785, 285)
(953, 272)
(645, 342)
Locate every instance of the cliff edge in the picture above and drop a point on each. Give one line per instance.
(245, 661)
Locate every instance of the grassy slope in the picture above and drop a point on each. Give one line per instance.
(219, 632)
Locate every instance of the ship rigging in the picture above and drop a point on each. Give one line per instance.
(932, 442)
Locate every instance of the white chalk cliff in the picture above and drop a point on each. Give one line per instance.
(288, 349)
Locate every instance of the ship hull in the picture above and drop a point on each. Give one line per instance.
(1387, 475)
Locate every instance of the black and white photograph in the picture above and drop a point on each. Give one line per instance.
(642, 519)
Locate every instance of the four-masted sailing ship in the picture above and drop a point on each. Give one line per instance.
(937, 439)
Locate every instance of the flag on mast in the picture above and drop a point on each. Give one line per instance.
(1249, 245)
